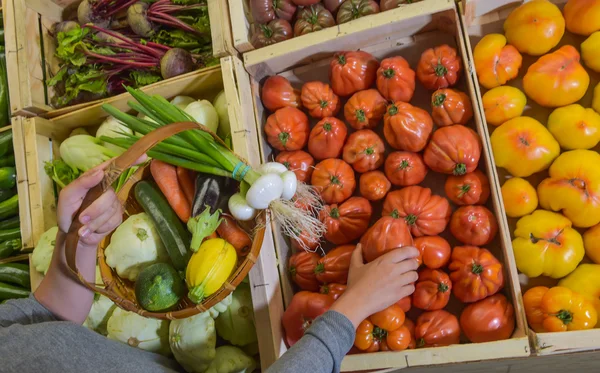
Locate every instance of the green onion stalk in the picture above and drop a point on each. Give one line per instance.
(270, 187)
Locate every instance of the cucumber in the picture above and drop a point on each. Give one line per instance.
(159, 287)
(6, 194)
(7, 248)
(4, 105)
(7, 160)
(10, 234)
(15, 273)
(8, 177)
(13, 222)
(11, 292)
(9, 208)
(170, 229)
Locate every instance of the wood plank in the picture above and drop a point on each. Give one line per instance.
(220, 28)
(240, 25)
(12, 63)
(22, 183)
(16, 258)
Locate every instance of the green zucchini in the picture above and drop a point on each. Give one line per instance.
(159, 287)
(7, 248)
(7, 160)
(10, 207)
(6, 194)
(13, 222)
(10, 234)
(12, 292)
(4, 106)
(8, 177)
(170, 229)
(15, 273)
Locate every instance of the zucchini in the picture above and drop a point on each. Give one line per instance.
(7, 248)
(12, 292)
(10, 207)
(7, 160)
(15, 273)
(6, 194)
(10, 223)
(10, 234)
(173, 234)
(158, 287)
(4, 106)
(8, 177)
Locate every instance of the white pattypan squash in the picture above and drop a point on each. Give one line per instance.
(220, 307)
(113, 128)
(231, 359)
(42, 254)
(236, 324)
(182, 101)
(203, 112)
(134, 245)
(193, 342)
(102, 309)
(137, 331)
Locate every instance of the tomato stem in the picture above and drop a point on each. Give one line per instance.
(323, 104)
(404, 165)
(464, 189)
(565, 316)
(378, 333)
(411, 219)
(286, 164)
(442, 288)
(267, 31)
(283, 138)
(327, 126)
(370, 150)
(460, 169)
(395, 214)
(393, 109)
(388, 73)
(421, 342)
(440, 70)
(320, 268)
(477, 269)
(360, 115)
(334, 213)
(335, 180)
(439, 99)
(293, 271)
(341, 59)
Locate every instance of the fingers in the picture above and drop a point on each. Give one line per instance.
(141, 159)
(409, 265)
(93, 226)
(98, 207)
(111, 224)
(401, 254)
(406, 290)
(357, 257)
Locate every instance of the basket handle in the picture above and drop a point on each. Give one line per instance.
(112, 173)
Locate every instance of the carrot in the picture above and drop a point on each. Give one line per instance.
(187, 182)
(165, 176)
(236, 236)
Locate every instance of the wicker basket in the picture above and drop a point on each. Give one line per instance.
(121, 291)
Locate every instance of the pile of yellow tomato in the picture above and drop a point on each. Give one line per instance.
(554, 188)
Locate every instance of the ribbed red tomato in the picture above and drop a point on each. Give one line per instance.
(347, 221)
(298, 161)
(453, 150)
(334, 179)
(475, 273)
(334, 266)
(277, 92)
(374, 185)
(407, 127)
(287, 129)
(432, 290)
(364, 151)
(351, 72)
(473, 225)
(302, 267)
(387, 234)
(437, 328)
(405, 168)
(395, 79)
(320, 101)
(435, 251)
(468, 189)
(491, 319)
(327, 138)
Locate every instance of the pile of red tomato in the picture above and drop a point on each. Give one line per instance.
(391, 145)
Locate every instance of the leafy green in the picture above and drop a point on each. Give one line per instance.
(71, 46)
(86, 78)
(84, 152)
(60, 172)
(197, 18)
(141, 78)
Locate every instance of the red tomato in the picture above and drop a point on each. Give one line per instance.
(405, 168)
(304, 242)
(333, 290)
(475, 273)
(439, 67)
(346, 222)
(395, 79)
(351, 72)
(390, 318)
(364, 151)
(410, 325)
(450, 106)
(474, 225)
(305, 2)
(437, 328)
(298, 161)
(303, 309)
(435, 251)
(302, 267)
(468, 189)
(407, 127)
(405, 304)
(432, 291)
(387, 234)
(277, 93)
(426, 214)
(374, 185)
(453, 150)
(327, 138)
(334, 266)
(319, 100)
(334, 179)
(287, 129)
(491, 319)
(365, 109)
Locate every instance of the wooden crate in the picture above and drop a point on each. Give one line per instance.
(482, 17)
(408, 33)
(30, 50)
(43, 137)
(22, 183)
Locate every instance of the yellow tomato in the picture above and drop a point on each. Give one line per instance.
(575, 127)
(535, 27)
(209, 268)
(503, 103)
(545, 244)
(574, 187)
(590, 51)
(582, 16)
(586, 281)
(520, 197)
(495, 62)
(591, 242)
(523, 146)
(596, 100)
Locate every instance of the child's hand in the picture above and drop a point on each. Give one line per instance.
(374, 286)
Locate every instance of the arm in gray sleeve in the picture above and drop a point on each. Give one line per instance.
(24, 311)
(321, 349)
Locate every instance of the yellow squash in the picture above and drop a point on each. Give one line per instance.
(586, 281)
(523, 146)
(590, 51)
(209, 268)
(545, 244)
(575, 127)
(574, 187)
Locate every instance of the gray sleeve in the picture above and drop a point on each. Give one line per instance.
(24, 311)
(321, 349)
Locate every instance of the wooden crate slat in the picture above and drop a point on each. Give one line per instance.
(16, 258)
(22, 183)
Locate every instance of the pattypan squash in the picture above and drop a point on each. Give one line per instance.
(231, 359)
(134, 245)
(236, 325)
(42, 254)
(102, 309)
(220, 307)
(137, 331)
(193, 341)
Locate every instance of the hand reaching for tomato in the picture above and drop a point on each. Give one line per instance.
(375, 286)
